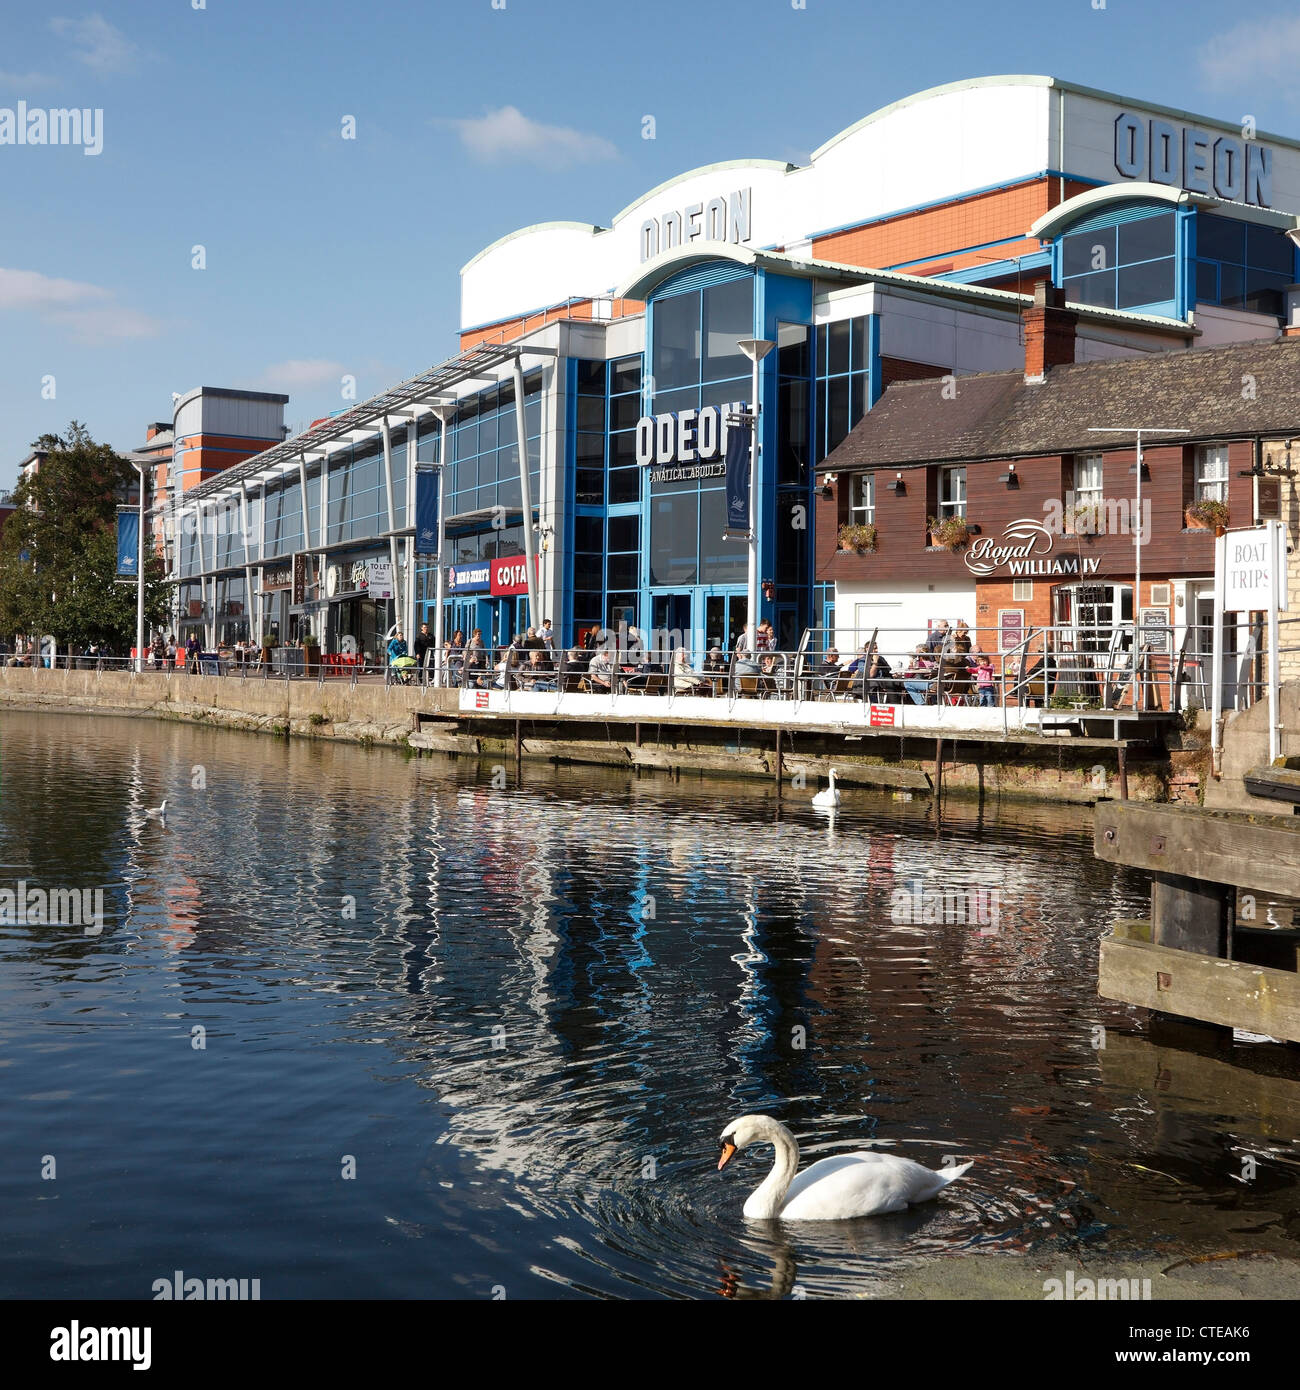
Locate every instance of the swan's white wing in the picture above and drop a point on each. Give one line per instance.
(861, 1184)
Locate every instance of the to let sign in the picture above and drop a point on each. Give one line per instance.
(379, 579)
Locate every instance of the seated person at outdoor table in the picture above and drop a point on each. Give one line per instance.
(828, 671)
(536, 673)
(918, 677)
(715, 663)
(881, 687)
(769, 682)
(938, 636)
(504, 666)
(746, 662)
(685, 681)
(600, 674)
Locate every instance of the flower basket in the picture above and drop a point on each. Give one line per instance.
(859, 538)
(1087, 519)
(1207, 515)
(951, 533)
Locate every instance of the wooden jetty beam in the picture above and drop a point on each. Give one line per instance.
(1178, 965)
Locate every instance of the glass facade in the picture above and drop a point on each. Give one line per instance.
(842, 381)
(1156, 260)
(1242, 265)
(1129, 264)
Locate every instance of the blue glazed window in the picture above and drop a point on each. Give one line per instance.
(1129, 265)
(1242, 265)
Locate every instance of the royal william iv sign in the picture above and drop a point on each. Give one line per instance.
(686, 443)
(1024, 549)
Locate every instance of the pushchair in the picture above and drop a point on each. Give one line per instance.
(402, 669)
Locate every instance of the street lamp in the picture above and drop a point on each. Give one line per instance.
(755, 349)
(1138, 432)
(444, 412)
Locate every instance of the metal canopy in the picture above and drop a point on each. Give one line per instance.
(465, 366)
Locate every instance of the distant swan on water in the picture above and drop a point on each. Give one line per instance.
(829, 799)
(832, 1189)
(157, 812)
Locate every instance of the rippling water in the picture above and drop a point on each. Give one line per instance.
(522, 1014)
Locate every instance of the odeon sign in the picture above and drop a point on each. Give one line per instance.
(1025, 548)
(1240, 170)
(695, 440)
(720, 219)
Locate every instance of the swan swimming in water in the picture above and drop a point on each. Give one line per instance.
(827, 800)
(832, 1189)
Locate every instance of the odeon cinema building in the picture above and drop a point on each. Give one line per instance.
(912, 245)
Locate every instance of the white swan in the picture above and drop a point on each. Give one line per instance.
(157, 812)
(832, 1189)
(830, 798)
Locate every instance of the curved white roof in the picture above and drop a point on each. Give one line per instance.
(931, 147)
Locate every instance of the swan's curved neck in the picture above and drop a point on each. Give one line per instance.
(768, 1197)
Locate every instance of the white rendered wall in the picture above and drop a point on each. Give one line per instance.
(901, 614)
(926, 149)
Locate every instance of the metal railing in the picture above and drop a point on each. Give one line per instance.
(1063, 667)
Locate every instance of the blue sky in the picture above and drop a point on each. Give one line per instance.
(222, 128)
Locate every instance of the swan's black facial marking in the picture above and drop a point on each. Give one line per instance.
(728, 1152)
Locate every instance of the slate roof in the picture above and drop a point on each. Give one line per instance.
(1241, 389)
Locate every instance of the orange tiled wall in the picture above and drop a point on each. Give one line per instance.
(515, 328)
(937, 232)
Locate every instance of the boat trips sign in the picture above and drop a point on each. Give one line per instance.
(1252, 569)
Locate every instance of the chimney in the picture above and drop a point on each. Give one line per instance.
(1049, 333)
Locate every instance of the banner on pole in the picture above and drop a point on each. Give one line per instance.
(426, 511)
(128, 543)
(738, 466)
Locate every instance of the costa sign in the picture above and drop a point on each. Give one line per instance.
(509, 575)
(685, 436)
(1024, 549)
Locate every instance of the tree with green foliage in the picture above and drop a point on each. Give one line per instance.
(58, 551)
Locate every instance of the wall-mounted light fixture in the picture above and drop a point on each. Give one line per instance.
(1009, 477)
(898, 485)
(827, 480)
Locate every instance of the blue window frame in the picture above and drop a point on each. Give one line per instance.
(1124, 259)
(1242, 265)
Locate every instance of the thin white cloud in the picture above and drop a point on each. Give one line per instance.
(97, 43)
(89, 312)
(1259, 54)
(24, 81)
(303, 374)
(508, 135)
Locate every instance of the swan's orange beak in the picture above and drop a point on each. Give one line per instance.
(728, 1153)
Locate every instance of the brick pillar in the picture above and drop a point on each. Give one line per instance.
(1049, 332)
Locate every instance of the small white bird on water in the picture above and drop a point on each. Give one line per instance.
(829, 799)
(157, 812)
(832, 1189)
